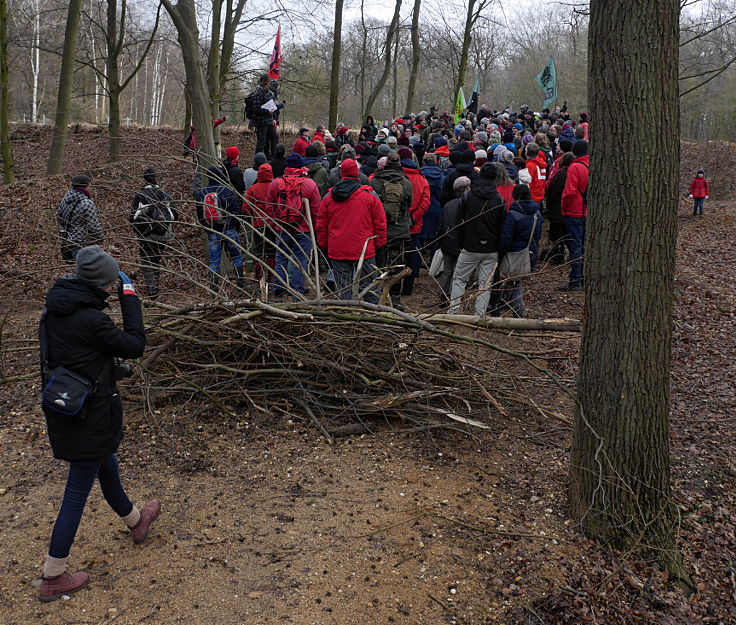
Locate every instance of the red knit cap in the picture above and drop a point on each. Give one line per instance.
(232, 153)
(349, 169)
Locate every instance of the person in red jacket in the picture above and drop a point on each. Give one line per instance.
(293, 240)
(699, 192)
(419, 205)
(350, 219)
(536, 164)
(302, 142)
(574, 206)
(261, 214)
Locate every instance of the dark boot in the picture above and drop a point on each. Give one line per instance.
(149, 514)
(53, 588)
(240, 278)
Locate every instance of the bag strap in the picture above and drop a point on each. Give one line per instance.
(531, 235)
(44, 346)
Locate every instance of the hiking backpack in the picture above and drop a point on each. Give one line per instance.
(290, 211)
(392, 197)
(250, 110)
(154, 220)
(213, 213)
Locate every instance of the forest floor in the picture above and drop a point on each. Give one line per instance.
(264, 522)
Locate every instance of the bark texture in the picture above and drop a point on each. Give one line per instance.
(66, 81)
(387, 58)
(620, 466)
(415, 58)
(335, 70)
(7, 151)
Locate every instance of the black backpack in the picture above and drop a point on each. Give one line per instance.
(250, 111)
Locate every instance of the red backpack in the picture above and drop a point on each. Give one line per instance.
(290, 209)
(212, 211)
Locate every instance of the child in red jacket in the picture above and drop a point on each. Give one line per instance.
(699, 192)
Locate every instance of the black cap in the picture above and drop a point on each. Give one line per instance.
(80, 180)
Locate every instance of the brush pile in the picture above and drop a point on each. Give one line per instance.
(346, 366)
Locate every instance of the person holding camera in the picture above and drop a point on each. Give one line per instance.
(79, 347)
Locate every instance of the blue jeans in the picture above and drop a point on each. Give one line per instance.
(298, 246)
(575, 241)
(81, 478)
(344, 273)
(230, 239)
(699, 205)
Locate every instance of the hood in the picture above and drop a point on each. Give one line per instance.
(568, 134)
(483, 188)
(69, 294)
(432, 172)
(465, 168)
(342, 191)
(409, 166)
(314, 165)
(582, 159)
(392, 175)
(528, 207)
(265, 173)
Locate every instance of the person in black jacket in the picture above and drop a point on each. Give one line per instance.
(278, 161)
(234, 173)
(78, 335)
(480, 217)
(464, 167)
(264, 120)
(448, 237)
(152, 217)
(553, 204)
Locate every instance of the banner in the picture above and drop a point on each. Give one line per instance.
(475, 96)
(547, 81)
(274, 67)
(459, 105)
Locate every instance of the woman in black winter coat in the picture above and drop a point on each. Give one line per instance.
(76, 334)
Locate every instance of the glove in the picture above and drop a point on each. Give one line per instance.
(690, 196)
(126, 284)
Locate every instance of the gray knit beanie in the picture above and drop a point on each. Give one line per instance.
(96, 267)
(383, 150)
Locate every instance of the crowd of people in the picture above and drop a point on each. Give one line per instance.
(469, 195)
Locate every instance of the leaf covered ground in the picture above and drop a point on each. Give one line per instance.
(263, 522)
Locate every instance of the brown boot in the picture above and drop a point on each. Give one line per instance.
(52, 588)
(149, 514)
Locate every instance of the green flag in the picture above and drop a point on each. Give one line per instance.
(459, 105)
(547, 81)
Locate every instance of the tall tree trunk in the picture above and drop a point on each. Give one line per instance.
(35, 59)
(112, 73)
(395, 89)
(620, 471)
(66, 81)
(387, 54)
(335, 71)
(184, 16)
(5, 147)
(363, 51)
(415, 57)
(470, 19)
(213, 69)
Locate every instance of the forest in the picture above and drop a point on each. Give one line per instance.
(329, 461)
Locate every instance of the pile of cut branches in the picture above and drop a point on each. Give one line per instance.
(346, 366)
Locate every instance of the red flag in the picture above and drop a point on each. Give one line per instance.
(274, 67)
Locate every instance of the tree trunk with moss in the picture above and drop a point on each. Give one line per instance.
(620, 464)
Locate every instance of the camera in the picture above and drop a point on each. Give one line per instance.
(122, 370)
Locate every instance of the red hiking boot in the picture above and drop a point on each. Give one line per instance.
(52, 588)
(149, 514)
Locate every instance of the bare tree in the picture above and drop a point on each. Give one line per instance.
(415, 57)
(66, 80)
(387, 56)
(475, 8)
(335, 65)
(7, 151)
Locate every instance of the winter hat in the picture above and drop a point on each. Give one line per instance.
(302, 130)
(524, 176)
(96, 267)
(80, 180)
(463, 182)
(580, 148)
(311, 151)
(415, 140)
(405, 153)
(526, 139)
(507, 156)
(518, 126)
(439, 142)
(482, 136)
(487, 171)
(360, 149)
(294, 161)
(403, 140)
(232, 153)
(349, 169)
(383, 150)
(455, 157)
(467, 156)
(565, 145)
(481, 154)
(259, 159)
(700, 171)
(392, 141)
(149, 175)
(508, 135)
(499, 149)
(381, 162)
(347, 151)
(383, 131)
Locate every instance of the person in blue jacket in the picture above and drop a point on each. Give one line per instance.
(515, 236)
(436, 179)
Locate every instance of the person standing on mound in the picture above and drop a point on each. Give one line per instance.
(77, 335)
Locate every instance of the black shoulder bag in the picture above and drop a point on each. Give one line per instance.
(64, 391)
